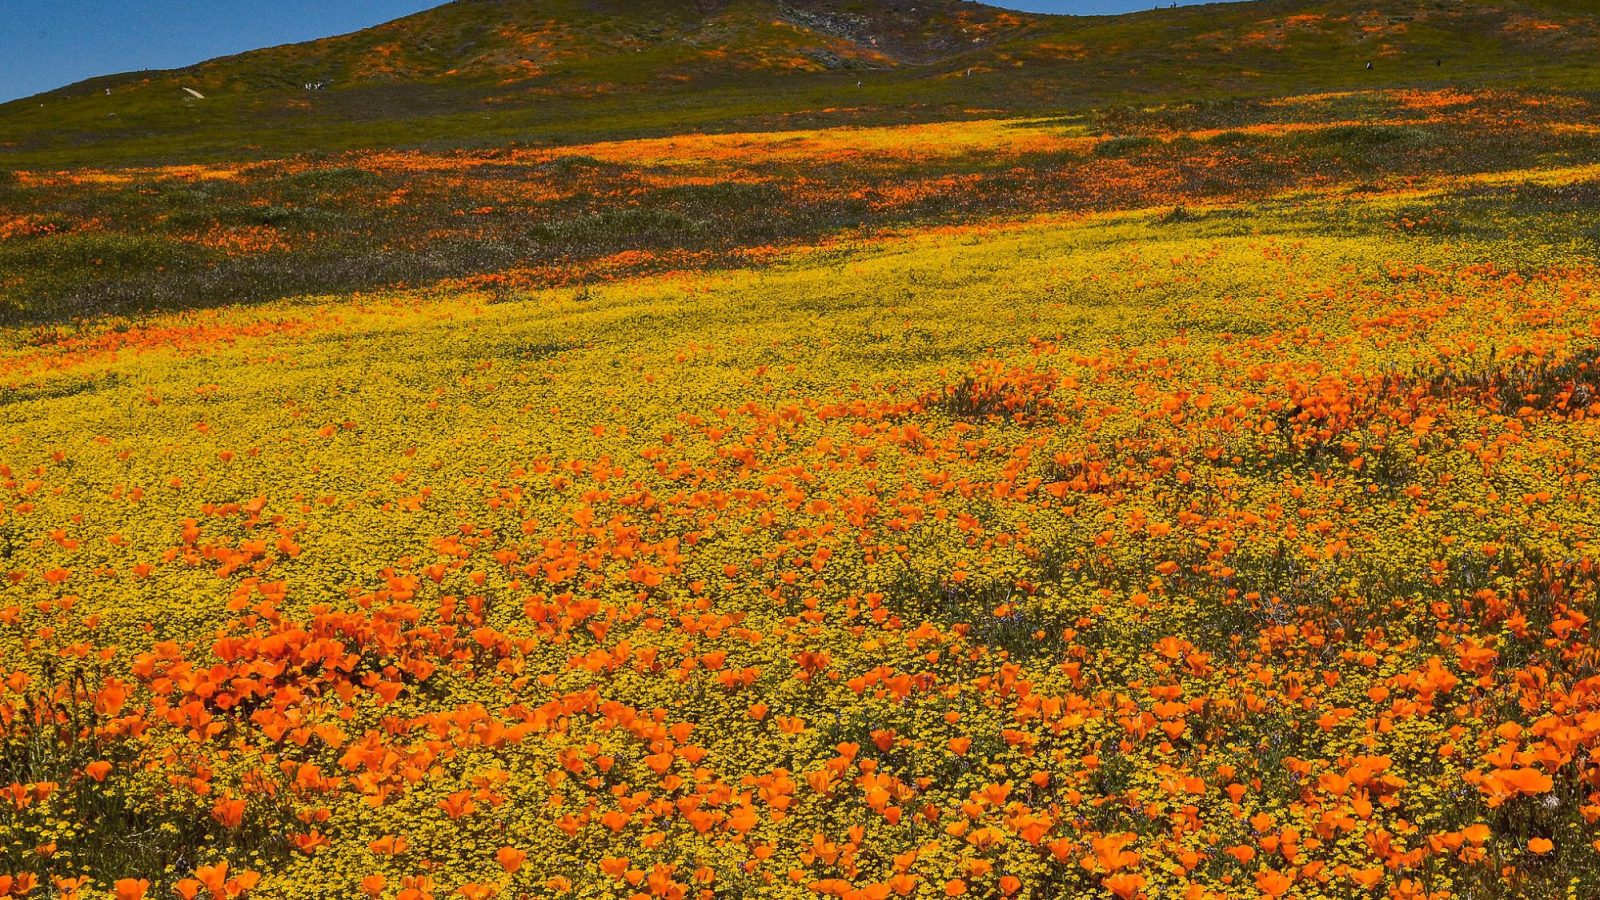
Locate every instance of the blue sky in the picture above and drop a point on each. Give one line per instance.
(49, 43)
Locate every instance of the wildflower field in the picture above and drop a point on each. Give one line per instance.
(996, 509)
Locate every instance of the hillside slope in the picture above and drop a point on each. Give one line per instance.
(617, 42)
(486, 72)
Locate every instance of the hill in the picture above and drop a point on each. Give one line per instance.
(810, 451)
(490, 72)
(1118, 557)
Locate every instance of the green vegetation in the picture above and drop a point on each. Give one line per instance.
(84, 244)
